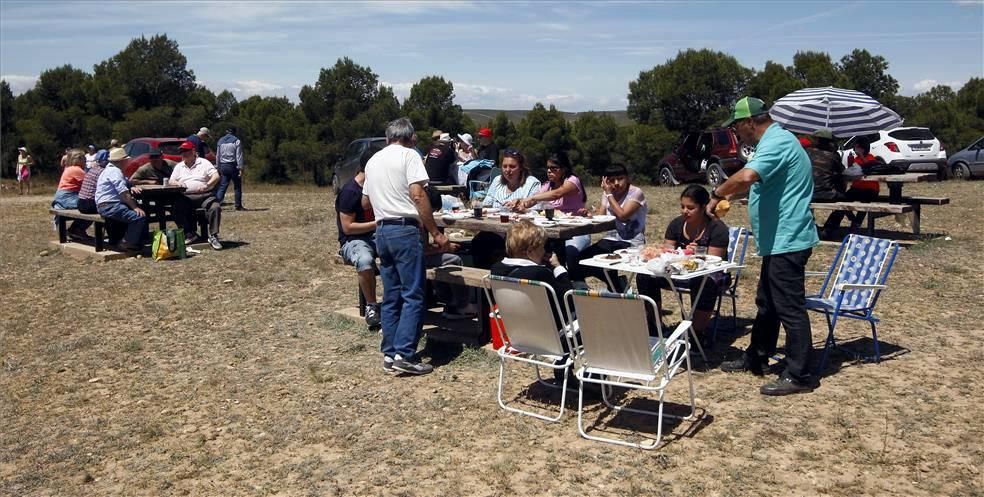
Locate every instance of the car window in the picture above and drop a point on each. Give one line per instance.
(912, 134)
(376, 146)
(722, 137)
(170, 148)
(977, 146)
(355, 148)
(137, 148)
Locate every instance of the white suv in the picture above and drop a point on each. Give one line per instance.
(908, 149)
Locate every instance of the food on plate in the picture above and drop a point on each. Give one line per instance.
(612, 257)
(649, 252)
(689, 265)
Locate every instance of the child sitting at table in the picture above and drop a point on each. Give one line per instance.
(692, 229)
(627, 204)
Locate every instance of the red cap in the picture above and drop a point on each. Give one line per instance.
(187, 146)
(486, 132)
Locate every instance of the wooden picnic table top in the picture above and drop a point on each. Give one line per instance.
(491, 223)
(450, 189)
(160, 189)
(902, 178)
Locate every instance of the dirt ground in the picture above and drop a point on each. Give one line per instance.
(228, 374)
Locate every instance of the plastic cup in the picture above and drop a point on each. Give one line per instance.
(550, 213)
(478, 213)
(164, 181)
(504, 217)
(700, 250)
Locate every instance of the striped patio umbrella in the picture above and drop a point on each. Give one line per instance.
(845, 112)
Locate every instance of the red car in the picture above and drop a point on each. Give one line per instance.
(139, 151)
(711, 155)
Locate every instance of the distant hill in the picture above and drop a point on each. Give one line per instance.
(482, 116)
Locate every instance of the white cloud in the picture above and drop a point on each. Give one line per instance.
(19, 84)
(927, 84)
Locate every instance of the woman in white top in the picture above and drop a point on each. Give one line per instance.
(514, 184)
(465, 150)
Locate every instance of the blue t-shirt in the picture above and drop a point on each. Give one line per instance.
(779, 202)
(349, 201)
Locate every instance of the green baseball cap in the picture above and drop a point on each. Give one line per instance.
(746, 107)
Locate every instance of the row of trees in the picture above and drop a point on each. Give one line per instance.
(147, 90)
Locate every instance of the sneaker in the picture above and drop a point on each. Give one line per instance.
(411, 367)
(372, 317)
(388, 365)
(191, 239)
(213, 240)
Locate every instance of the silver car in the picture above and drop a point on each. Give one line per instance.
(968, 162)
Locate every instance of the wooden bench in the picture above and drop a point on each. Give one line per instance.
(63, 215)
(454, 275)
(874, 209)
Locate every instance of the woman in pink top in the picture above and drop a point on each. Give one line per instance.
(563, 192)
(67, 194)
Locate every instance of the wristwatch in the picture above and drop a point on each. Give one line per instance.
(715, 195)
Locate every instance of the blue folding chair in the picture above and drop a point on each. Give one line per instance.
(737, 244)
(853, 284)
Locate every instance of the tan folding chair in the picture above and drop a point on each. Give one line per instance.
(531, 335)
(614, 349)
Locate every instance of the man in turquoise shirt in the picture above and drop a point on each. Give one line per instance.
(779, 180)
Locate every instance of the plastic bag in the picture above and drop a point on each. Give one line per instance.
(168, 244)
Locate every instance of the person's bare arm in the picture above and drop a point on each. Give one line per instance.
(422, 203)
(352, 227)
(737, 184)
(128, 200)
(549, 195)
(213, 180)
(622, 213)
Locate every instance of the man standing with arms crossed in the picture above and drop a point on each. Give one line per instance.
(394, 185)
(229, 158)
(780, 183)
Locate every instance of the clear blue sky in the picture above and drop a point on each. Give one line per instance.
(502, 55)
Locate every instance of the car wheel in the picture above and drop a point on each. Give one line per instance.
(666, 177)
(961, 171)
(715, 175)
(745, 152)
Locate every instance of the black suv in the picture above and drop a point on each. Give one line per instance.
(356, 155)
(710, 155)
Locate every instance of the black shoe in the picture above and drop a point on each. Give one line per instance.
(411, 367)
(785, 386)
(240, 208)
(372, 317)
(192, 239)
(388, 366)
(742, 365)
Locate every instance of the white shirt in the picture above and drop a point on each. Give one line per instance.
(90, 160)
(195, 177)
(389, 175)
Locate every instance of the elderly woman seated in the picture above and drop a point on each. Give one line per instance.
(526, 258)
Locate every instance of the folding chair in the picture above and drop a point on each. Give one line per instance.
(853, 284)
(614, 349)
(532, 337)
(737, 244)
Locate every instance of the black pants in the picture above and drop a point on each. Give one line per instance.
(852, 195)
(579, 272)
(781, 298)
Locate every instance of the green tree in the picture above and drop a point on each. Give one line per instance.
(152, 72)
(503, 131)
(542, 132)
(8, 135)
(773, 82)
(816, 69)
(595, 135)
(868, 74)
(431, 106)
(687, 92)
(347, 102)
(641, 146)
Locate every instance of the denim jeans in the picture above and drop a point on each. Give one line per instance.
(65, 199)
(136, 226)
(230, 172)
(401, 267)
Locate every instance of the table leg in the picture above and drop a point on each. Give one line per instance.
(62, 232)
(691, 333)
(916, 212)
(894, 193)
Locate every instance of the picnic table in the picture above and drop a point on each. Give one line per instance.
(454, 190)
(896, 181)
(641, 268)
(156, 199)
(492, 223)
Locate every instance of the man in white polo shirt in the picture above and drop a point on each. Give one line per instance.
(394, 185)
(199, 177)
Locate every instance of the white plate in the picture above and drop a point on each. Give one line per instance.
(573, 222)
(710, 259)
(457, 215)
(544, 223)
(605, 258)
(602, 219)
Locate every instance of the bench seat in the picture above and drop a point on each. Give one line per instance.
(920, 200)
(882, 207)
